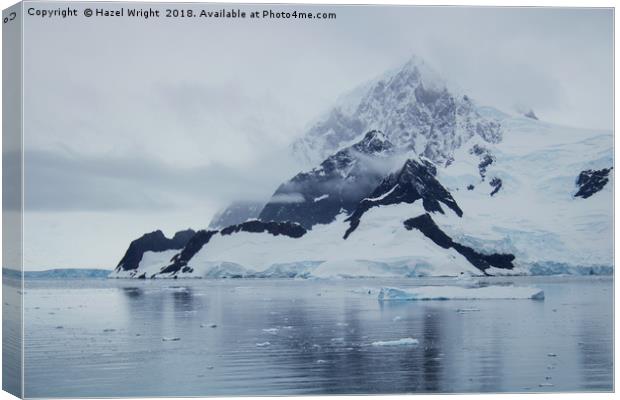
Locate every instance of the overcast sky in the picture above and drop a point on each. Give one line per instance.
(134, 125)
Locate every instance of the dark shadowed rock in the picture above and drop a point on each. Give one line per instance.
(425, 224)
(289, 229)
(486, 159)
(337, 185)
(591, 181)
(496, 184)
(414, 181)
(154, 241)
(193, 246)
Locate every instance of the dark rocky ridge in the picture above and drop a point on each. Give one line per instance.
(415, 181)
(425, 224)
(154, 241)
(289, 229)
(591, 181)
(180, 260)
(337, 185)
(201, 238)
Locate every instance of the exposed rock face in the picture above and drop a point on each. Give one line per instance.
(496, 184)
(338, 184)
(415, 181)
(236, 213)
(289, 229)
(486, 159)
(413, 107)
(591, 181)
(154, 241)
(425, 224)
(530, 114)
(193, 246)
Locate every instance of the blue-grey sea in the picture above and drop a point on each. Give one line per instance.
(100, 338)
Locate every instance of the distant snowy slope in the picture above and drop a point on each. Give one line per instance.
(535, 214)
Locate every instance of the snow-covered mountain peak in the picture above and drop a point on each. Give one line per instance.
(413, 107)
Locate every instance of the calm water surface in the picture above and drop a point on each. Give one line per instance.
(104, 338)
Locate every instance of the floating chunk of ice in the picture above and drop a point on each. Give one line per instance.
(462, 293)
(399, 342)
(272, 331)
(264, 344)
(170, 339)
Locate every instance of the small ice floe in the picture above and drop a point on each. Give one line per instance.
(397, 318)
(400, 342)
(272, 331)
(551, 355)
(208, 325)
(337, 339)
(461, 293)
(287, 327)
(263, 344)
(342, 324)
(170, 339)
(321, 361)
(546, 384)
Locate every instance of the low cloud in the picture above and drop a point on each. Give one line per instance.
(287, 198)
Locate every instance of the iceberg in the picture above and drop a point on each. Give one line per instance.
(400, 342)
(461, 293)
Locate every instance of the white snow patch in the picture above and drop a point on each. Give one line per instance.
(323, 197)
